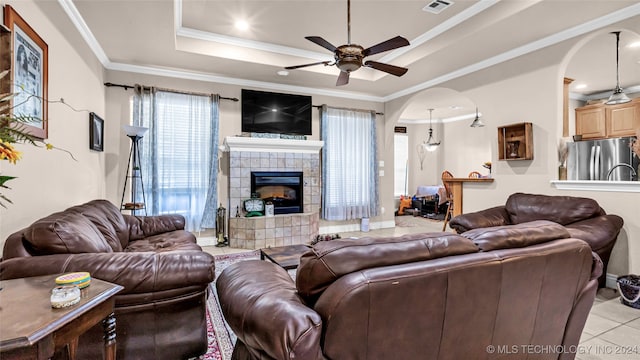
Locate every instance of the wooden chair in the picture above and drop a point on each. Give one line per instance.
(447, 187)
(475, 175)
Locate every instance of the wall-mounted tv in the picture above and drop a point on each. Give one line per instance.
(267, 112)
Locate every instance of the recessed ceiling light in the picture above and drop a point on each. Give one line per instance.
(242, 25)
(283, 73)
(580, 86)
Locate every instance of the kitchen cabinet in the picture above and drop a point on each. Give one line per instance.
(599, 121)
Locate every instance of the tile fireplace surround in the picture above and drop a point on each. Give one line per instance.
(247, 154)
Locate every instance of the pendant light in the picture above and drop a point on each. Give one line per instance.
(430, 144)
(477, 122)
(618, 96)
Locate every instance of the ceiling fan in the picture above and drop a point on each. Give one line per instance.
(349, 57)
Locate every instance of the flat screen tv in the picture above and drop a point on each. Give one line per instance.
(267, 112)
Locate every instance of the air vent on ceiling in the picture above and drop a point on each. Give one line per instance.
(437, 6)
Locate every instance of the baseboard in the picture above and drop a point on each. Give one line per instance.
(611, 281)
(332, 229)
(207, 240)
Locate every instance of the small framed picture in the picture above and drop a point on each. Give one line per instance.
(96, 132)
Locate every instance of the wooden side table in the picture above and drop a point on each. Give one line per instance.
(32, 329)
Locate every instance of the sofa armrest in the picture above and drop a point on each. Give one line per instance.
(142, 272)
(495, 216)
(600, 232)
(144, 226)
(260, 303)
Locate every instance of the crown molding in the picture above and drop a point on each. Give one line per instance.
(85, 32)
(616, 16)
(182, 74)
(251, 44)
(83, 29)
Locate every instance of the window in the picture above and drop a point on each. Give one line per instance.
(401, 168)
(349, 164)
(179, 157)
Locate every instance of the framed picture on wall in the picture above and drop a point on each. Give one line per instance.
(29, 73)
(96, 132)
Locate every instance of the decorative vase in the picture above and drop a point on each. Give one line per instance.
(562, 172)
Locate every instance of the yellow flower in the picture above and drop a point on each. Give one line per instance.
(49, 146)
(7, 151)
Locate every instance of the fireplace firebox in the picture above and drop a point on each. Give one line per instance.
(282, 188)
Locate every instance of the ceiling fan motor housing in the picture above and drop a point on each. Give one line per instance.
(349, 57)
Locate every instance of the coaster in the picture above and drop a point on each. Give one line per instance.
(80, 279)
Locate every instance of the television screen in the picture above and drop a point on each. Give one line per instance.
(267, 112)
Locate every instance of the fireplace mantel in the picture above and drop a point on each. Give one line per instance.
(239, 143)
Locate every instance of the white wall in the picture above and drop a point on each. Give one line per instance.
(534, 96)
(118, 107)
(50, 181)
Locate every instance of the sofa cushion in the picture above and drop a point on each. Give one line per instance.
(516, 236)
(560, 209)
(329, 260)
(169, 241)
(109, 221)
(65, 233)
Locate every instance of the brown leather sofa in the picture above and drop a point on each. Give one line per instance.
(160, 314)
(419, 296)
(583, 218)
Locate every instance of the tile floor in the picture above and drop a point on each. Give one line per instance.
(612, 331)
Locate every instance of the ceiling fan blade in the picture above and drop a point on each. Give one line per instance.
(343, 79)
(322, 42)
(391, 69)
(390, 44)
(305, 65)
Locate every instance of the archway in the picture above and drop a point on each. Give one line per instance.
(453, 113)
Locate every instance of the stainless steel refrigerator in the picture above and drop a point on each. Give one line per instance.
(607, 159)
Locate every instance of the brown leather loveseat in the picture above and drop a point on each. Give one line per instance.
(526, 288)
(583, 218)
(160, 314)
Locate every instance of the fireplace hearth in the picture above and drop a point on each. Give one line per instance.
(284, 189)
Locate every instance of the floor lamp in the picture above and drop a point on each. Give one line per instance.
(135, 133)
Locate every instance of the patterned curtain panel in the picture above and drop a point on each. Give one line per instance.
(349, 164)
(179, 154)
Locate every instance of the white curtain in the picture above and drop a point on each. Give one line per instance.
(349, 164)
(179, 154)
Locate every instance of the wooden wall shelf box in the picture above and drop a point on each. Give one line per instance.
(515, 141)
(599, 121)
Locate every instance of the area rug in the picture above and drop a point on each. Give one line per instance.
(221, 338)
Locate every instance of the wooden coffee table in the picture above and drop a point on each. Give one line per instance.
(288, 257)
(32, 329)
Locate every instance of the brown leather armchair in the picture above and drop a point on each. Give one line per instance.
(160, 314)
(419, 296)
(583, 218)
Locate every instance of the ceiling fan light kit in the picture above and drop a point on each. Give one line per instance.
(349, 57)
(618, 96)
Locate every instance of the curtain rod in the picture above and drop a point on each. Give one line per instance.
(126, 87)
(352, 109)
